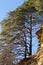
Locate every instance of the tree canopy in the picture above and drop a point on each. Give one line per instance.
(18, 27)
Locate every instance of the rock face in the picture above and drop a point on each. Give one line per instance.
(38, 59)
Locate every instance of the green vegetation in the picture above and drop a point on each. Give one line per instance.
(18, 26)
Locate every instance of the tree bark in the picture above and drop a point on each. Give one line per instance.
(30, 34)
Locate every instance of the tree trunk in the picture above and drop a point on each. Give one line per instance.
(30, 34)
